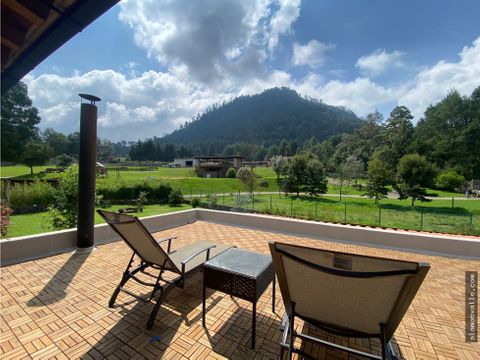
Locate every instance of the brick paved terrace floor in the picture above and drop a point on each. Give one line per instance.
(56, 307)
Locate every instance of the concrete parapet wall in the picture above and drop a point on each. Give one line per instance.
(26, 248)
(439, 244)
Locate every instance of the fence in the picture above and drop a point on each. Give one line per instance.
(443, 220)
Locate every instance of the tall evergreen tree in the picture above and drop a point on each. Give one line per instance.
(19, 122)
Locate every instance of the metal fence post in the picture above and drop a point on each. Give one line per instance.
(421, 219)
(471, 219)
(223, 198)
(345, 213)
(316, 210)
(190, 194)
(453, 202)
(253, 201)
(201, 193)
(270, 203)
(291, 206)
(379, 215)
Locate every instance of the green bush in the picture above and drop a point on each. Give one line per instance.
(5, 212)
(195, 202)
(449, 180)
(63, 213)
(212, 200)
(231, 173)
(120, 190)
(37, 194)
(175, 198)
(142, 201)
(263, 184)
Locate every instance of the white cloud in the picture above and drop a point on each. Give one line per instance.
(282, 20)
(215, 50)
(152, 103)
(312, 54)
(379, 61)
(431, 84)
(360, 95)
(215, 42)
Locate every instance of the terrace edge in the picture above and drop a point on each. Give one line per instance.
(25, 248)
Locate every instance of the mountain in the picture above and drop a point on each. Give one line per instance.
(268, 117)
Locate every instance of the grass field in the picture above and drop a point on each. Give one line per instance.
(21, 170)
(458, 216)
(435, 216)
(186, 180)
(29, 224)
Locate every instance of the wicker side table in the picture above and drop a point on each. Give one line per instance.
(242, 274)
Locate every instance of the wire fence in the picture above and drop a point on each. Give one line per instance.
(444, 220)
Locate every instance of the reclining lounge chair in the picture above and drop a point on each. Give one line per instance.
(182, 262)
(343, 294)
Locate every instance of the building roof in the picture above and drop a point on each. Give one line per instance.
(219, 157)
(34, 29)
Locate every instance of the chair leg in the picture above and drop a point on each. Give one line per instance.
(292, 335)
(153, 315)
(126, 276)
(383, 342)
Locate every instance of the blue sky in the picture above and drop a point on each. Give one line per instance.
(156, 63)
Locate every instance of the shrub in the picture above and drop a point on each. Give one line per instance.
(247, 177)
(263, 184)
(37, 194)
(195, 202)
(242, 201)
(63, 213)
(5, 212)
(231, 173)
(449, 180)
(175, 198)
(63, 160)
(212, 200)
(142, 200)
(123, 190)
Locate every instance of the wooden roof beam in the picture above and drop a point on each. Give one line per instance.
(24, 11)
(10, 44)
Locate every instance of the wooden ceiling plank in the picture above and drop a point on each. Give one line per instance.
(24, 12)
(10, 44)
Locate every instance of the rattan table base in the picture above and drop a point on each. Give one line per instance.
(240, 273)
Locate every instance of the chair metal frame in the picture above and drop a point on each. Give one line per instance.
(161, 286)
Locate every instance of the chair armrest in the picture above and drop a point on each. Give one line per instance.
(207, 249)
(169, 239)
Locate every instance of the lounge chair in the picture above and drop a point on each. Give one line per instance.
(182, 262)
(343, 294)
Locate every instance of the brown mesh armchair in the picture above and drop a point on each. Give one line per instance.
(343, 294)
(182, 262)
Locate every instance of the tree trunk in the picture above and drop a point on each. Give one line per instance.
(31, 170)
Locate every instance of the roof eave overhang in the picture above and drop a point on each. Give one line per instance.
(71, 22)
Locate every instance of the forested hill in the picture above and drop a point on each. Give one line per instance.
(275, 114)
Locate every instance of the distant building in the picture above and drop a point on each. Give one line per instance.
(217, 166)
(263, 163)
(185, 162)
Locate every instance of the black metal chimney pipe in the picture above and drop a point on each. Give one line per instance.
(87, 157)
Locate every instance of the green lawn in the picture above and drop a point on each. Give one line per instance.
(187, 181)
(21, 170)
(155, 173)
(29, 224)
(435, 216)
